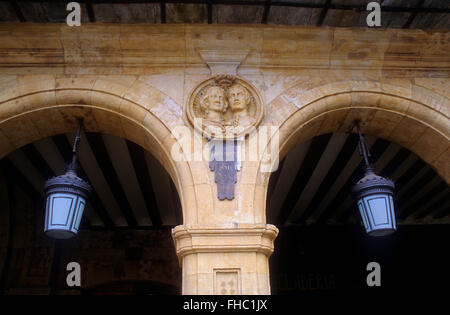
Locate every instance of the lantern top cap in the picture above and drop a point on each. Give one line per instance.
(371, 176)
(371, 180)
(70, 178)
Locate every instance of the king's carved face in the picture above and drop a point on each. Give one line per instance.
(238, 97)
(216, 99)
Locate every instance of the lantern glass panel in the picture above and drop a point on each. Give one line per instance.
(79, 214)
(392, 212)
(63, 215)
(377, 213)
(378, 206)
(61, 207)
(363, 213)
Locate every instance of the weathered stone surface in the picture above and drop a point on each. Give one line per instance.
(134, 81)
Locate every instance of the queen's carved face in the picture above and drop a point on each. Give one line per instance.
(238, 97)
(215, 99)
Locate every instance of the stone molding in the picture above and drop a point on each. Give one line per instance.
(249, 238)
(223, 61)
(137, 49)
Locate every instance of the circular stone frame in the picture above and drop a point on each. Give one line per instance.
(203, 128)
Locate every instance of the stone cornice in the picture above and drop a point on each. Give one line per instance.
(247, 238)
(138, 49)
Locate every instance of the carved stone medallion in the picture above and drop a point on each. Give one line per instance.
(224, 107)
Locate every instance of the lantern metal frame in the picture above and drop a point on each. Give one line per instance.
(380, 189)
(67, 186)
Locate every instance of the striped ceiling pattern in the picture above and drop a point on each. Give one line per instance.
(313, 183)
(311, 186)
(130, 187)
(415, 14)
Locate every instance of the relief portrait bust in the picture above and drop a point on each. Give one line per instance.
(214, 104)
(239, 100)
(224, 106)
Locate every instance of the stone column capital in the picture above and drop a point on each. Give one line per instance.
(191, 239)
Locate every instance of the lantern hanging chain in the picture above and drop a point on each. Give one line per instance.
(73, 165)
(364, 150)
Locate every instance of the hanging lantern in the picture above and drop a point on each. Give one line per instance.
(374, 197)
(66, 198)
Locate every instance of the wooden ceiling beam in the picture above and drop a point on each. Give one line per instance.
(104, 161)
(17, 10)
(140, 167)
(323, 14)
(266, 12)
(413, 14)
(209, 11)
(352, 7)
(90, 11)
(162, 7)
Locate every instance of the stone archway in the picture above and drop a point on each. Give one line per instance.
(411, 116)
(43, 106)
(34, 107)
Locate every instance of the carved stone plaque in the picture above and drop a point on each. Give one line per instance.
(224, 106)
(227, 282)
(224, 163)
